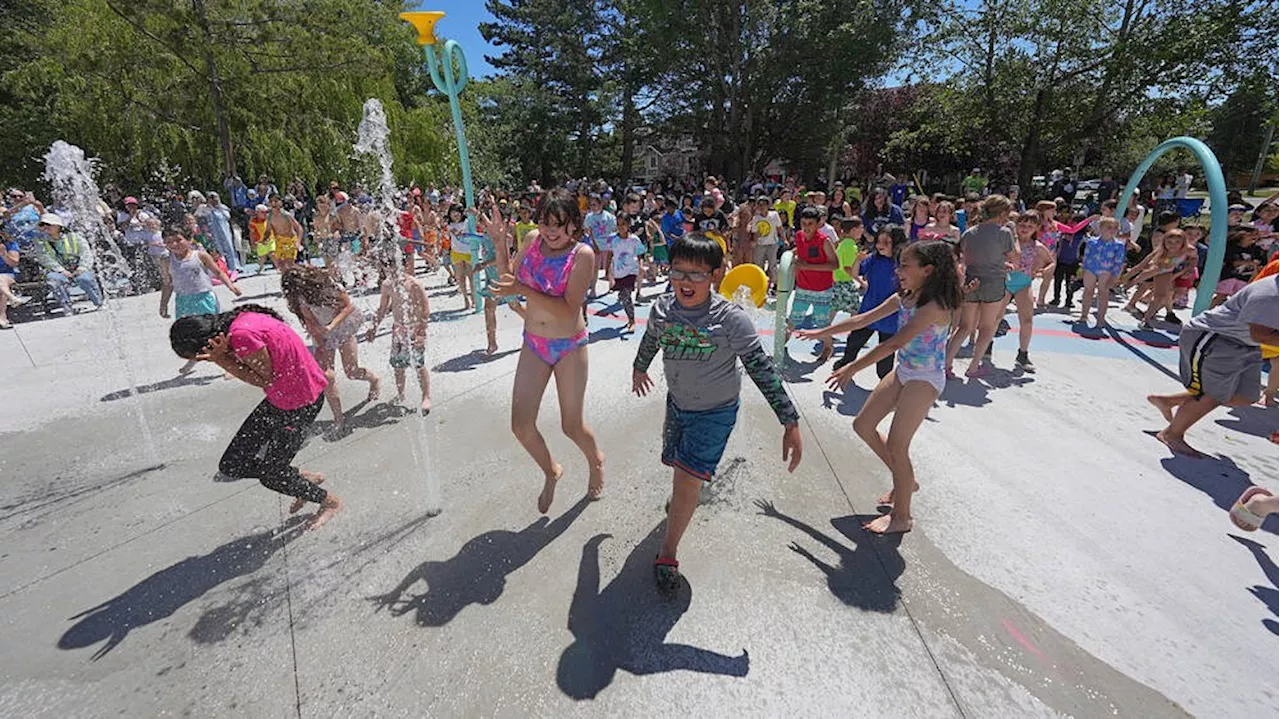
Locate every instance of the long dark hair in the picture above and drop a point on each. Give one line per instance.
(189, 335)
(943, 284)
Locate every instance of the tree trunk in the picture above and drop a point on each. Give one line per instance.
(629, 122)
(1031, 145)
(226, 147)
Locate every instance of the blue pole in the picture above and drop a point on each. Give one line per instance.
(1217, 209)
(451, 84)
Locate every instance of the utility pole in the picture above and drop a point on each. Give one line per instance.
(1262, 156)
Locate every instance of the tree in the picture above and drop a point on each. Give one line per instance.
(209, 86)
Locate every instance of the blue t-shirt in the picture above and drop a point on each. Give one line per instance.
(881, 274)
(874, 219)
(962, 220)
(23, 225)
(672, 225)
(5, 269)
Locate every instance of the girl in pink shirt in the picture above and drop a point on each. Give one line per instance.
(254, 344)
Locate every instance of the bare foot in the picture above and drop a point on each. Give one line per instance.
(631, 327)
(595, 481)
(549, 490)
(426, 405)
(976, 370)
(312, 477)
(1164, 405)
(492, 348)
(888, 524)
(375, 387)
(886, 499)
(330, 507)
(1178, 445)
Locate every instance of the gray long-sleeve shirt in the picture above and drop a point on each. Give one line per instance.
(701, 347)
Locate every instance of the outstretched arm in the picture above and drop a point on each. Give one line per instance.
(857, 322)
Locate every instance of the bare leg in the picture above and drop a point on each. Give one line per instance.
(491, 325)
(914, 401)
(166, 285)
(351, 366)
(324, 358)
(399, 372)
(1104, 297)
(1086, 299)
(330, 507)
(1046, 279)
(312, 477)
(685, 492)
(968, 321)
(571, 387)
(424, 381)
(1188, 412)
(1026, 317)
(878, 406)
(988, 318)
(532, 375)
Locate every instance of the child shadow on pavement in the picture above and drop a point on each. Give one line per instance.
(865, 578)
(625, 625)
(1268, 595)
(477, 574)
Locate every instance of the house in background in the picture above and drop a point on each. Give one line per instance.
(676, 159)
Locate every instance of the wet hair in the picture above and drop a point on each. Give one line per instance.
(811, 213)
(189, 335)
(310, 283)
(558, 206)
(942, 286)
(697, 248)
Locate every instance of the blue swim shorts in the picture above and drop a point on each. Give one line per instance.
(695, 441)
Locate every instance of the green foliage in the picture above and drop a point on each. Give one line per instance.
(262, 86)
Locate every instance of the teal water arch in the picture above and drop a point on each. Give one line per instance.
(1217, 209)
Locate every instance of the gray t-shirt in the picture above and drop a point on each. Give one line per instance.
(700, 349)
(1257, 304)
(984, 247)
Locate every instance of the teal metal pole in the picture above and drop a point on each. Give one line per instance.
(451, 84)
(1217, 209)
(786, 280)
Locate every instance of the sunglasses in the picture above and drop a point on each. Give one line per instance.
(682, 276)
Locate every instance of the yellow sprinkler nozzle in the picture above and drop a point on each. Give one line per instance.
(424, 23)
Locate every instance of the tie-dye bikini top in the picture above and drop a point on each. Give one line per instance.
(548, 275)
(927, 350)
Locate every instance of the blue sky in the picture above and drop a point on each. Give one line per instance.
(461, 22)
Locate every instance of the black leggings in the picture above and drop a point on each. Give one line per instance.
(1063, 274)
(277, 435)
(857, 339)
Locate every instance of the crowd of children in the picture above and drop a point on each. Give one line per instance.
(919, 283)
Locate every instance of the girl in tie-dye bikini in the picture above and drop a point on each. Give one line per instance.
(928, 300)
(553, 271)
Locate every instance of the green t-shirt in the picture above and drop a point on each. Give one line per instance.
(847, 254)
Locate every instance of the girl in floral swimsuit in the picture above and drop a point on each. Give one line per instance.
(553, 271)
(929, 297)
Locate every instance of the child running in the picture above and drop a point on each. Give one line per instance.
(927, 305)
(254, 345)
(190, 269)
(1034, 261)
(553, 272)
(332, 320)
(460, 254)
(410, 310)
(702, 337)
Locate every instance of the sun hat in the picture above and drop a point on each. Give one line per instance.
(130, 200)
(52, 218)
